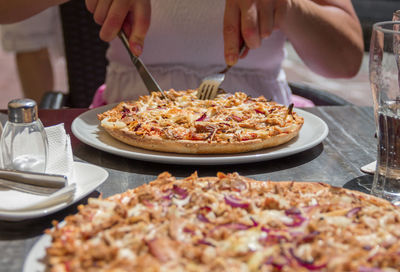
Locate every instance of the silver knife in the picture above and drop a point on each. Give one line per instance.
(34, 179)
(27, 188)
(148, 80)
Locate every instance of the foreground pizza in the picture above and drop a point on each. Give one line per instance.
(184, 124)
(229, 223)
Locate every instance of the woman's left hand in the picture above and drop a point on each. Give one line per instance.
(248, 21)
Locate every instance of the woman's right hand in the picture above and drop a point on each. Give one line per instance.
(131, 15)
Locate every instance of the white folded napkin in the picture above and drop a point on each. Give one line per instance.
(60, 161)
(15, 201)
(60, 158)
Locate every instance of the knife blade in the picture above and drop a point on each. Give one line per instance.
(148, 80)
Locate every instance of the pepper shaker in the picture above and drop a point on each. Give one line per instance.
(24, 144)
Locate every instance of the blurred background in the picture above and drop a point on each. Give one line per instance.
(355, 90)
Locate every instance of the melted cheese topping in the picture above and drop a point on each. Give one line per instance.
(228, 223)
(226, 118)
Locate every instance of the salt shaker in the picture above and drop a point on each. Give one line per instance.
(24, 143)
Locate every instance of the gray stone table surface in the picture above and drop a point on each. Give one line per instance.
(337, 160)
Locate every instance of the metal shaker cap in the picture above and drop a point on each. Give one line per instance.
(22, 110)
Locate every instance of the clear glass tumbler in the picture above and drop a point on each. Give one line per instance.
(24, 144)
(385, 84)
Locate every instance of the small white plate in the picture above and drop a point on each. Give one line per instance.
(86, 127)
(87, 178)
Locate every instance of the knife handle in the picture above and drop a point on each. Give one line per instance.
(147, 78)
(32, 178)
(125, 42)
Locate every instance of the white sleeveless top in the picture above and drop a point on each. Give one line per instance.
(184, 44)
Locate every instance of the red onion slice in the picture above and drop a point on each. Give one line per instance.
(255, 223)
(201, 215)
(278, 266)
(235, 226)
(265, 229)
(295, 214)
(353, 212)
(292, 211)
(187, 230)
(202, 218)
(205, 242)
(182, 193)
(125, 111)
(310, 237)
(169, 195)
(235, 202)
(202, 118)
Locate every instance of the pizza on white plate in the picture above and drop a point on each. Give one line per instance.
(229, 223)
(230, 123)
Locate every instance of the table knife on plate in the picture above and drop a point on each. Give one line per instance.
(31, 182)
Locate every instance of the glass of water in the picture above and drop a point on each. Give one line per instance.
(385, 85)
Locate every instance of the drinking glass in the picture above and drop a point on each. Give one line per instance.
(384, 79)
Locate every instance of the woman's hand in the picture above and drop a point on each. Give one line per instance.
(325, 33)
(248, 21)
(131, 15)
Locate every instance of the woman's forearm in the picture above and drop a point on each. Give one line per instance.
(326, 34)
(17, 10)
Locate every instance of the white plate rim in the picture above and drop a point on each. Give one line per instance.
(37, 252)
(314, 128)
(87, 189)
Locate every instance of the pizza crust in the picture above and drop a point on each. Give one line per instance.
(197, 147)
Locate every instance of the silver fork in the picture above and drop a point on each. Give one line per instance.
(208, 88)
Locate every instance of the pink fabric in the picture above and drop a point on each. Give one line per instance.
(98, 99)
(301, 102)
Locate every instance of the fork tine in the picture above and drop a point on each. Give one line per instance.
(207, 92)
(200, 91)
(209, 87)
(203, 90)
(213, 92)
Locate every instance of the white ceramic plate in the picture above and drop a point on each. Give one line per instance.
(32, 262)
(86, 127)
(87, 178)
